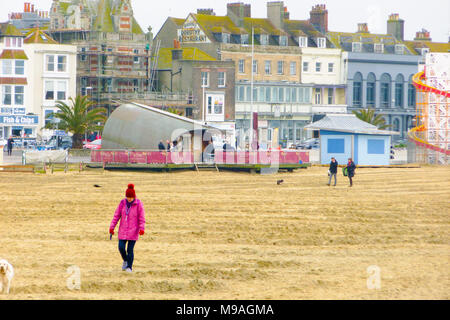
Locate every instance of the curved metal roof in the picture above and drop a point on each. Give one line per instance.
(141, 127)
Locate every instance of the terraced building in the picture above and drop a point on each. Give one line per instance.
(381, 68)
(286, 70)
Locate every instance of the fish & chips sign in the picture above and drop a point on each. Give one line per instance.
(23, 120)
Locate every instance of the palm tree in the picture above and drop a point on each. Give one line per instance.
(77, 118)
(368, 115)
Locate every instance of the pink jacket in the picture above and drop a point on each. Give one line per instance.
(129, 226)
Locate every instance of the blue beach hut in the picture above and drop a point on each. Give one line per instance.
(344, 136)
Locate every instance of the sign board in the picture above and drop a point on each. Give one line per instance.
(60, 133)
(191, 32)
(215, 107)
(263, 124)
(19, 120)
(18, 111)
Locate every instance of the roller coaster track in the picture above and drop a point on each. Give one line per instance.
(417, 134)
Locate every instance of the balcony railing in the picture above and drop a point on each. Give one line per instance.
(168, 98)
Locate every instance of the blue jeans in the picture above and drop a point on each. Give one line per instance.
(128, 253)
(331, 176)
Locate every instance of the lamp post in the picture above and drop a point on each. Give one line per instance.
(56, 121)
(85, 131)
(251, 133)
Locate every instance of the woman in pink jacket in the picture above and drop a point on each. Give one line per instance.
(132, 224)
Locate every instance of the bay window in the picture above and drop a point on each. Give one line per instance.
(20, 67)
(7, 67)
(7, 95)
(19, 95)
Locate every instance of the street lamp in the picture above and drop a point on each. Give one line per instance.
(85, 132)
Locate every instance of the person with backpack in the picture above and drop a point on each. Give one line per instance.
(131, 214)
(332, 172)
(351, 167)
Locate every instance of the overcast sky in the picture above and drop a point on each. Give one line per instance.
(343, 15)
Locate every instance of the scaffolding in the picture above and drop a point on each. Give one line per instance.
(431, 134)
(116, 68)
(109, 63)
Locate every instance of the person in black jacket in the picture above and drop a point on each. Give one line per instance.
(333, 171)
(161, 146)
(351, 170)
(10, 145)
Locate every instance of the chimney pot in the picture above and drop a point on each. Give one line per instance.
(363, 28)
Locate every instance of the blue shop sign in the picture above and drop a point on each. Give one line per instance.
(60, 133)
(19, 120)
(19, 111)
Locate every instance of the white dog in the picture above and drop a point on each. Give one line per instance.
(6, 276)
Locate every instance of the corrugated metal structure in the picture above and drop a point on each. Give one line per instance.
(135, 126)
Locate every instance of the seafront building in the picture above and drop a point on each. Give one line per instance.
(286, 71)
(36, 71)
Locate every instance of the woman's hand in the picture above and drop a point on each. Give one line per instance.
(141, 232)
(111, 231)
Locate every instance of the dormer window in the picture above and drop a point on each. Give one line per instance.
(264, 39)
(13, 42)
(356, 46)
(244, 39)
(321, 42)
(226, 38)
(303, 42)
(378, 48)
(283, 41)
(399, 49)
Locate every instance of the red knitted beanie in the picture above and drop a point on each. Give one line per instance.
(130, 193)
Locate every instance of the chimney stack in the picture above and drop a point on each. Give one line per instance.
(287, 15)
(319, 17)
(276, 13)
(423, 35)
(177, 54)
(238, 11)
(396, 26)
(363, 28)
(209, 12)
